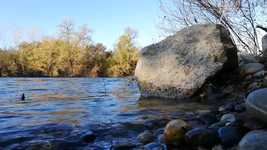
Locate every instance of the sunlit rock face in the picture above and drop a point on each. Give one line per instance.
(180, 64)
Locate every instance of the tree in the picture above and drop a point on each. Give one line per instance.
(75, 43)
(239, 16)
(125, 54)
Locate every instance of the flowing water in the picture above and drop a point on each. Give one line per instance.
(58, 112)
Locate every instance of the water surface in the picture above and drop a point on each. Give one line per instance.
(61, 110)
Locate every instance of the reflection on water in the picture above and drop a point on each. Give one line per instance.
(78, 103)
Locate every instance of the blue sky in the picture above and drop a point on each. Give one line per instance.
(107, 18)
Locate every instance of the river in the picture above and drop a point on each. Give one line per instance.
(58, 112)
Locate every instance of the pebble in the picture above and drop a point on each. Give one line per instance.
(145, 137)
(228, 118)
(89, 137)
(202, 137)
(229, 136)
(174, 132)
(155, 146)
(208, 118)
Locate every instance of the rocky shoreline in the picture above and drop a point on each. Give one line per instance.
(228, 126)
(201, 63)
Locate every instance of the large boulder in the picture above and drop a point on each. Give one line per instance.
(179, 65)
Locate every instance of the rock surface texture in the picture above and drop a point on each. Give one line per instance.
(254, 140)
(179, 65)
(256, 104)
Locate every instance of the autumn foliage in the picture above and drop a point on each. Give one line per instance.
(70, 54)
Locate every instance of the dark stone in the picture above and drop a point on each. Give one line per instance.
(155, 146)
(229, 136)
(156, 123)
(208, 118)
(145, 137)
(202, 137)
(230, 107)
(89, 137)
(217, 125)
(240, 108)
(123, 144)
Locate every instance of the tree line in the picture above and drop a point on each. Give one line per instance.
(71, 53)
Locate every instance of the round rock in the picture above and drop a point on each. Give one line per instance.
(174, 132)
(256, 104)
(202, 137)
(228, 118)
(251, 68)
(145, 137)
(229, 136)
(254, 140)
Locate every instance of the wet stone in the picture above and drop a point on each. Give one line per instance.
(208, 118)
(123, 144)
(89, 136)
(174, 133)
(240, 108)
(228, 118)
(202, 137)
(229, 136)
(254, 140)
(154, 146)
(155, 123)
(217, 125)
(145, 137)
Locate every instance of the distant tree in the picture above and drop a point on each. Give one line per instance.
(71, 53)
(125, 54)
(94, 60)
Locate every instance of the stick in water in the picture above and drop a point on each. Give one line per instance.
(23, 97)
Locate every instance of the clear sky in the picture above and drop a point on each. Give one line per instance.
(107, 18)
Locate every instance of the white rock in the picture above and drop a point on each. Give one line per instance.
(179, 65)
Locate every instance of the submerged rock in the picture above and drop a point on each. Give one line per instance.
(154, 146)
(88, 137)
(228, 118)
(254, 140)
(123, 144)
(174, 132)
(145, 137)
(256, 104)
(179, 65)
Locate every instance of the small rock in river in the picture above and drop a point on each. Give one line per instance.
(202, 137)
(145, 137)
(217, 125)
(174, 132)
(240, 108)
(154, 146)
(123, 144)
(89, 137)
(228, 118)
(208, 118)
